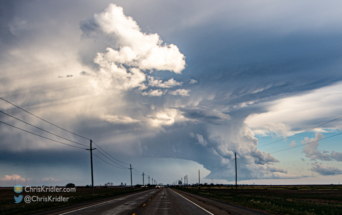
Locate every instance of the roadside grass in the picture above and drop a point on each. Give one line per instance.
(296, 200)
(7, 205)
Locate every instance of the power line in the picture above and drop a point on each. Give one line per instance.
(110, 155)
(105, 161)
(306, 143)
(304, 131)
(140, 172)
(137, 172)
(52, 133)
(43, 119)
(41, 129)
(112, 160)
(40, 135)
(219, 168)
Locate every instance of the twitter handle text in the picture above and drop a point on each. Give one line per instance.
(29, 199)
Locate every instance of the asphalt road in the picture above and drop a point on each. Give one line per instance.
(121, 205)
(157, 202)
(169, 202)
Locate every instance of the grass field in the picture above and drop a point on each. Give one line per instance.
(7, 205)
(311, 200)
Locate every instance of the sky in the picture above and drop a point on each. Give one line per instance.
(171, 87)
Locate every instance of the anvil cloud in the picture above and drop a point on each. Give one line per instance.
(171, 87)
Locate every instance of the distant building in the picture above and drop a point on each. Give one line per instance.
(180, 182)
(109, 184)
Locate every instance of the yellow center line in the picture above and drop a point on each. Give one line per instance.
(149, 200)
(144, 205)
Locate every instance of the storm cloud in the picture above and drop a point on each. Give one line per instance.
(192, 82)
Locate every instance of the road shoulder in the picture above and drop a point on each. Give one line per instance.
(218, 207)
(65, 209)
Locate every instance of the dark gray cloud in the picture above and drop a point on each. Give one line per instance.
(206, 116)
(324, 169)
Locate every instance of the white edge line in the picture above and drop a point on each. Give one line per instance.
(97, 204)
(194, 203)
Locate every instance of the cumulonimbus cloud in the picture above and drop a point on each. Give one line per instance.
(122, 66)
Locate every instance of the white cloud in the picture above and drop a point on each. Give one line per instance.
(181, 92)
(311, 150)
(193, 81)
(116, 76)
(123, 64)
(137, 49)
(299, 112)
(200, 139)
(293, 143)
(159, 83)
(154, 93)
(11, 179)
(165, 117)
(119, 119)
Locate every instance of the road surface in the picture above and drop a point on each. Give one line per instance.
(168, 201)
(121, 205)
(156, 202)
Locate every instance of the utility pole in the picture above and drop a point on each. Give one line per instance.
(130, 168)
(91, 162)
(143, 179)
(235, 175)
(199, 179)
(149, 180)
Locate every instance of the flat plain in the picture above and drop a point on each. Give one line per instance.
(280, 199)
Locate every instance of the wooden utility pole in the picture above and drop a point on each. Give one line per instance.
(91, 163)
(143, 179)
(235, 175)
(130, 167)
(199, 179)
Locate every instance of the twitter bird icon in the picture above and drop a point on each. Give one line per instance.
(18, 199)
